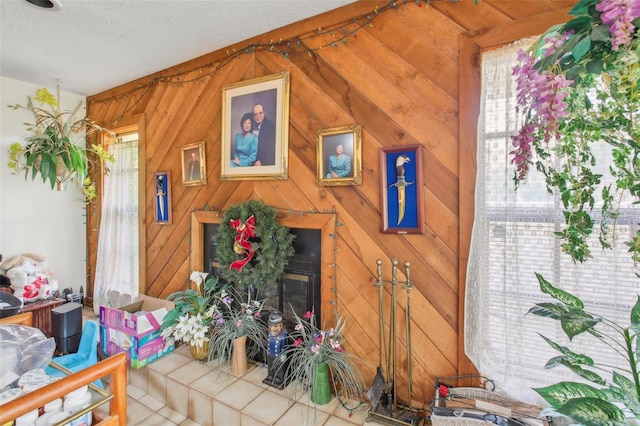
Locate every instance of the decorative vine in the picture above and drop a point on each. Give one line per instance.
(340, 33)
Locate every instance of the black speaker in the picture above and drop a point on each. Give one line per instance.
(66, 327)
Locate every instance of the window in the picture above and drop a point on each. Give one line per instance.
(117, 268)
(513, 237)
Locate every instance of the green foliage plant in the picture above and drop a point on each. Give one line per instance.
(195, 311)
(55, 146)
(615, 393)
(312, 346)
(240, 316)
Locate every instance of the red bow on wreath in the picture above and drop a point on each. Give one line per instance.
(241, 244)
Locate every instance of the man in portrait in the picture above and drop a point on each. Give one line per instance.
(193, 167)
(265, 130)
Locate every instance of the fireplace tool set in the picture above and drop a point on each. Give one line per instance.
(385, 407)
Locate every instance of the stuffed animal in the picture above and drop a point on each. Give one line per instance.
(28, 279)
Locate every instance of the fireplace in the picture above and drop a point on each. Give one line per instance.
(306, 281)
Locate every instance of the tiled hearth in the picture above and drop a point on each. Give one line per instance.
(177, 390)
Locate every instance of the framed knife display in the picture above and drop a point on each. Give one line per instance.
(162, 202)
(402, 190)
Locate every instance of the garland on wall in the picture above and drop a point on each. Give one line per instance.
(340, 33)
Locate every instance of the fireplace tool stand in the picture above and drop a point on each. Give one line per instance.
(385, 407)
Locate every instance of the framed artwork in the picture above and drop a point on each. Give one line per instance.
(162, 200)
(255, 128)
(194, 167)
(402, 190)
(339, 156)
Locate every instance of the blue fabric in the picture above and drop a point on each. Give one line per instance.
(245, 150)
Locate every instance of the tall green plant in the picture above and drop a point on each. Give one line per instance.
(585, 403)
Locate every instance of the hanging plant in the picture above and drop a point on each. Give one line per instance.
(579, 88)
(55, 146)
(252, 247)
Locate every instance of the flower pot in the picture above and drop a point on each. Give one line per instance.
(199, 352)
(320, 388)
(239, 356)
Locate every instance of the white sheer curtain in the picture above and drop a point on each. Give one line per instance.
(117, 273)
(513, 237)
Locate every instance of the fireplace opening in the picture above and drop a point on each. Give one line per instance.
(299, 286)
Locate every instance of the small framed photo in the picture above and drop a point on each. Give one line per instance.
(402, 190)
(339, 156)
(255, 129)
(162, 201)
(194, 167)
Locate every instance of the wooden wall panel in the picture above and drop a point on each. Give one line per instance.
(398, 79)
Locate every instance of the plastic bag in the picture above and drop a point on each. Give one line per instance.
(22, 349)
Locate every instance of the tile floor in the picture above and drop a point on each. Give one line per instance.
(177, 390)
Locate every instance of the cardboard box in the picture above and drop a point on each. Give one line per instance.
(136, 319)
(135, 330)
(140, 351)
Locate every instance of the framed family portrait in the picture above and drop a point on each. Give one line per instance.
(194, 168)
(402, 190)
(339, 156)
(162, 199)
(255, 128)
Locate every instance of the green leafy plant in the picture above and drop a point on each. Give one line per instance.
(600, 405)
(195, 311)
(55, 148)
(313, 346)
(238, 318)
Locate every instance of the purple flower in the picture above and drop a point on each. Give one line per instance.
(619, 16)
(522, 154)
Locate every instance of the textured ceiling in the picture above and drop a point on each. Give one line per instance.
(92, 45)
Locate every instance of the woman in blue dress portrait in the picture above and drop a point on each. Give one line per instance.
(339, 164)
(245, 148)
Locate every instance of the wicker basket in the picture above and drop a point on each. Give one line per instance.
(468, 405)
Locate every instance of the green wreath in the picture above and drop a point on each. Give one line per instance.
(271, 243)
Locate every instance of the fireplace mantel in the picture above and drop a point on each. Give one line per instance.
(325, 222)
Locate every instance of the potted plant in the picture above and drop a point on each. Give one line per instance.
(194, 313)
(239, 327)
(55, 148)
(578, 88)
(608, 402)
(318, 357)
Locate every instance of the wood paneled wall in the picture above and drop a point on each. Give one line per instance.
(399, 79)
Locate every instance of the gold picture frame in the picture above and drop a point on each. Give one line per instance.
(194, 166)
(343, 168)
(251, 155)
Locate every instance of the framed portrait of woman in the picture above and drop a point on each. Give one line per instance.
(339, 156)
(255, 126)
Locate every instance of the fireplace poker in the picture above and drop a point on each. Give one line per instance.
(408, 286)
(392, 332)
(379, 384)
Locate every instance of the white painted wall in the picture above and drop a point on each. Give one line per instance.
(34, 218)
